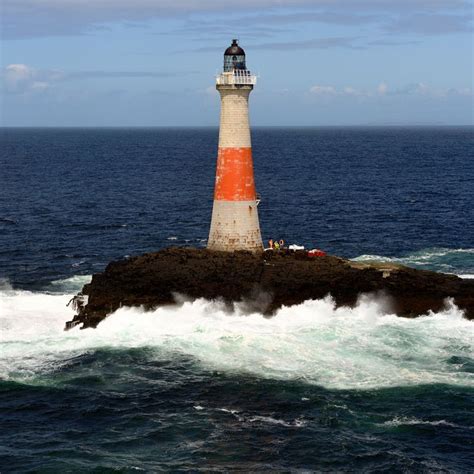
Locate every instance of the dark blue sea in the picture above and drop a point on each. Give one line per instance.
(194, 387)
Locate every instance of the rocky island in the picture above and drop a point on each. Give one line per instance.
(263, 282)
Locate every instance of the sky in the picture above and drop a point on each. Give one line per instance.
(153, 62)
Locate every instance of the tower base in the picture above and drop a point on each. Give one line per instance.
(234, 226)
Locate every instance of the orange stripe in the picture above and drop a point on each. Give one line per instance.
(234, 177)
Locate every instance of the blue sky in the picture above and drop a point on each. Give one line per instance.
(152, 62)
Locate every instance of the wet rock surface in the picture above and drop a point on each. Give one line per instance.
(264, 283)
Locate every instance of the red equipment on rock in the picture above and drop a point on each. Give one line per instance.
(316, 253)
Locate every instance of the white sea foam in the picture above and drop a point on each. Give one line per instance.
(406, 421)
(312, 342)
(421, 255)
(428, 257)
(275, 421)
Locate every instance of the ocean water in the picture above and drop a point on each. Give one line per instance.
(198, 388)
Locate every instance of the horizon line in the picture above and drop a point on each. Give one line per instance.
(397, 125)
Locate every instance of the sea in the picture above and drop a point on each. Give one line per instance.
(197, 387)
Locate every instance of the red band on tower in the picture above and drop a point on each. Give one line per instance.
(234, 177)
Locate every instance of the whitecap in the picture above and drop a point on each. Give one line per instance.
(407, 421)
(227, 410)
(275, 421)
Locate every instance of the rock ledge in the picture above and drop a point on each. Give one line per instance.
(264, 282)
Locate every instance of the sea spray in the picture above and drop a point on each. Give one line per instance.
(315, 342)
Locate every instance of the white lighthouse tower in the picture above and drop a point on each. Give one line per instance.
(235, 224)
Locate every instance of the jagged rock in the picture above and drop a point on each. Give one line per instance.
(264, 282)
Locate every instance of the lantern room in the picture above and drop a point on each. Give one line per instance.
(234, 57)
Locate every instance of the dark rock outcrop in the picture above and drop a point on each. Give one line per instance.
(264, 282)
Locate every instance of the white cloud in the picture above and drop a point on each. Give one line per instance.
(465, 91)
(427, 90)
(323, 90)
(22, 79)
(422, 89)
(39, 86)
(352, 91)
(419, 89)
(332, 91)
(382, 88)
(18, 77)
(18, 71)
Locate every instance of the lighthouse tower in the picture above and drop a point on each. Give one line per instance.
(234, 224)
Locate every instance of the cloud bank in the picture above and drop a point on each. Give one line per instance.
(36, 18)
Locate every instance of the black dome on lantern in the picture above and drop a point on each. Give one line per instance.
(234, 49)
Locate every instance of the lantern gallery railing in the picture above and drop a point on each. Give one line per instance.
(236, 78)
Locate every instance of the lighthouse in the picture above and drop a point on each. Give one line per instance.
(234, 223)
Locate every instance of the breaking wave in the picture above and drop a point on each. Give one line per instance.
(313, 342)
(458, 261)
(73, 284)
